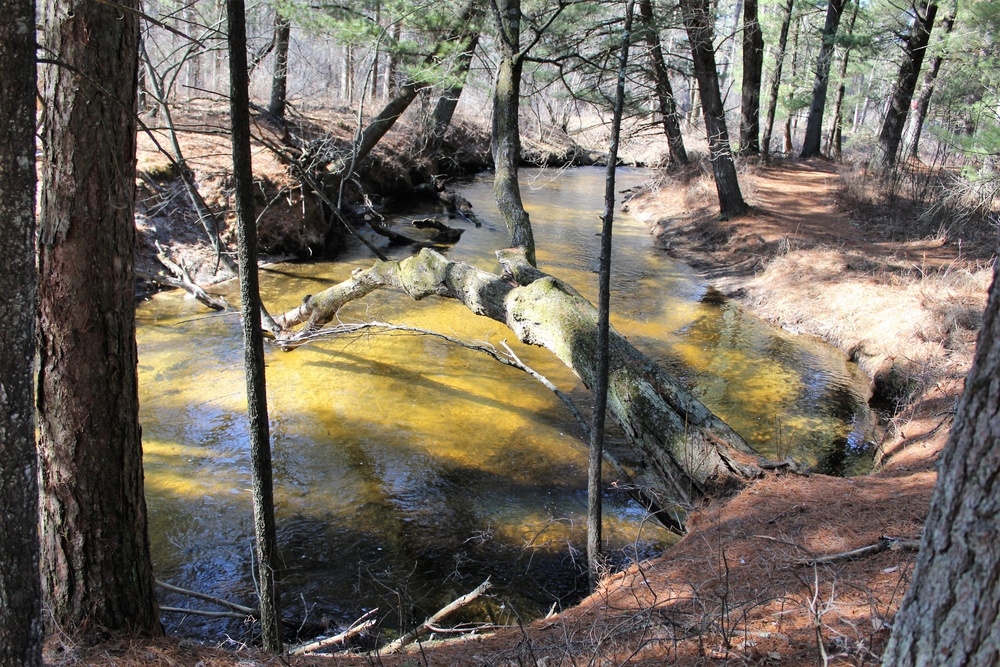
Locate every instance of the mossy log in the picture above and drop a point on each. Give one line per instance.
(688, 452)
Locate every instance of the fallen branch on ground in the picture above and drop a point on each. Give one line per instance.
(361, 625)
(427, 625)
(884, 544)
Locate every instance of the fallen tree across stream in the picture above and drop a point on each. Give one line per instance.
(687, 452)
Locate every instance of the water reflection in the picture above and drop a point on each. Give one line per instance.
(407, 470)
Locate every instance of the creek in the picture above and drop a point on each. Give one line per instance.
(407, 469)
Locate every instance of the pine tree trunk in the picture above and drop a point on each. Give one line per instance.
(20, 589)
(833, 143)
(951, 611)
(253, 339)
(906, 83)
(506, 146)
(814, 126)
(698, 20)
(926, 91)
(95, 560)
(779, 60)
(753, 64)
(279, 75)
(595, 459)
(664, 91)
(466, 34)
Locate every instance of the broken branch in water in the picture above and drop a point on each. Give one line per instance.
(245, 611)
(207, 614)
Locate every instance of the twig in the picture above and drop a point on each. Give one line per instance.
(413, 634)
(361, 625)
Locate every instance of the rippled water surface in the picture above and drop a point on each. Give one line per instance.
(407, 470)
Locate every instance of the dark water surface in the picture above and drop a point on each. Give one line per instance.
(408, 470)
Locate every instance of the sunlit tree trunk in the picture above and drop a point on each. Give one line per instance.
(664, 91)
(753, 64)
(779, 60)
(279, 74)
(467, 35)
(699, 19)
(834, 141)
(20, 588)
(95, 560)
(506, 146)
(951, 612)
(926, 91)
(814, 126)
(253, 339)
(906, 83)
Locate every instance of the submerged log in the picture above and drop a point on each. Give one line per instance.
(689, 453)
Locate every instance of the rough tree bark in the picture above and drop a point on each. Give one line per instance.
(811, 145)
(951, 612)
(20, 588)
(753, 64)
(96, 572)
(664, 91)
(690, 453)
(909, 71)
(779, 60)
(253, 338)
(506, 146)
(279, 74)
(926, 91)
(699, 19)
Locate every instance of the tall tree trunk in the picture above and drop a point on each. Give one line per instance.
(95, 561)
(391, 77)
(909, 71)
(253, 339)
(20, 588)
(951, 611)
(279, 74)
(506, 145)
(753, 64)
(699, 20)
(779, 59)
(444, 108)
(664, 91)
(926, 91)
(814, 126)
(833, 143)
(787, 144)
(596, 454)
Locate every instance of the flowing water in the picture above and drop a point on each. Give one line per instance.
(407, 469)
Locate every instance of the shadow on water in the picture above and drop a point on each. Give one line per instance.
(408, 470)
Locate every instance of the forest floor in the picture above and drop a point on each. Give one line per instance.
(761, 578)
